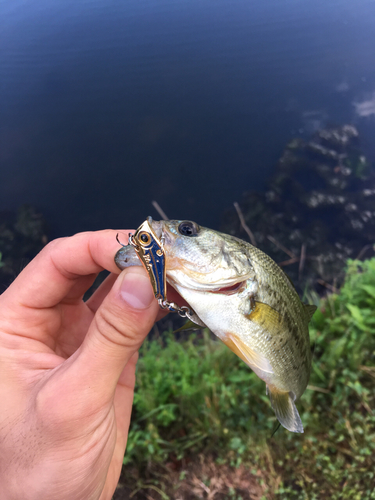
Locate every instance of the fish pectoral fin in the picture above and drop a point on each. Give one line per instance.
(193, 323)
(309, 311)
(189, 325)
(195, 319)
(267, 317)
(258, 363)
(286, 412)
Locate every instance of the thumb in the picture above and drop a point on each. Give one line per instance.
(118, 329)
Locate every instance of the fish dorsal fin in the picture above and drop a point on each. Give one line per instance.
(309, 311)
(258, 363)
(285, 409)
(267, 317)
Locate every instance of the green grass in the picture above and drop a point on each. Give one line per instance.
(195, 396)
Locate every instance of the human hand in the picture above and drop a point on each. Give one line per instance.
(68, 370)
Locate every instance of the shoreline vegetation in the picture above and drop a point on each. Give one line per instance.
(22, 235)
(317, 211)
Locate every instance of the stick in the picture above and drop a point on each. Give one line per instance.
(288, 262)
(244, 225)
(284, 249)
(327, 285)
(302, 260)
(363, 251)
(159, 210)
(318, 389)
(368, 369)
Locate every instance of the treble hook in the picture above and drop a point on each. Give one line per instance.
(119, 242)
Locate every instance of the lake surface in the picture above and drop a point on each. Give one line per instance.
(106, 105)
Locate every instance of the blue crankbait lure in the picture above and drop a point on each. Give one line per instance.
(149, 249)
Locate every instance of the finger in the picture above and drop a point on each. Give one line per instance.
(119, 327)
(97, 297)
(64, 269)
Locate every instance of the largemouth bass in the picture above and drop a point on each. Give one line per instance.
(245, 299)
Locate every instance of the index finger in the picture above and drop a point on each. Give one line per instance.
(64, 268)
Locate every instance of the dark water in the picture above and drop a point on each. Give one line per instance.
(106, 105)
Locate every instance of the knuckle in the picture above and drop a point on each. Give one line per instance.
(119, 328)
(51, 245)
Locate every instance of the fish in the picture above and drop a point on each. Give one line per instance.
(246, 300)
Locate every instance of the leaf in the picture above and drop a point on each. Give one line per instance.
(318, 372)
(356, 312)
(369, 289)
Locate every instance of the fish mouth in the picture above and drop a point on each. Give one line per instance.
(214, 288)
(231, 289)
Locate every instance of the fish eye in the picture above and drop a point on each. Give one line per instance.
(188, 228)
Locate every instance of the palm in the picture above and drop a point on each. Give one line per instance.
(70, 368)
(69, 322)
(74, 322)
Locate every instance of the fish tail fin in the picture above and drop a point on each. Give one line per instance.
(285, 409)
